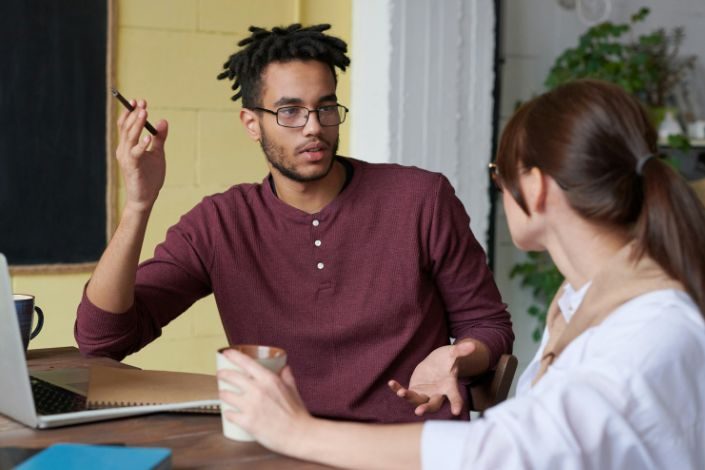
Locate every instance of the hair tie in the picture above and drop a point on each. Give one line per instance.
(641, 161)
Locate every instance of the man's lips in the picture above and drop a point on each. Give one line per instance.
(314, 151)
(314, 147)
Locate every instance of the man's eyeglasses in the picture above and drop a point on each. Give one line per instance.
(297, 116)
(496, 178)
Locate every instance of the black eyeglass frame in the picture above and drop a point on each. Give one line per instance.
(339, 106)
(497, 178)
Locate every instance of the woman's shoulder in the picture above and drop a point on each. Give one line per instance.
(644, 336)
(651, 331)
(658, 309)
(648, 346)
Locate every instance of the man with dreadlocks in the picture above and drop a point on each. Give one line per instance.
(360, 271)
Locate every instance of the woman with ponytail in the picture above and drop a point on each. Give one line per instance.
(618, 380)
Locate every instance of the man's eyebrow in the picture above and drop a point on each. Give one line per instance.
(288, 101)
(331, 97)
(285, 100)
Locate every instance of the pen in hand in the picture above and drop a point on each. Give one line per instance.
(127, 104)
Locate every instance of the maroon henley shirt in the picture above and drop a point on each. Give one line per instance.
(357, 294)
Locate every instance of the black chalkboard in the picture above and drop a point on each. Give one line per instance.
(53, 165)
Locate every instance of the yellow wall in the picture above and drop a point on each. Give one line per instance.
(170, 51)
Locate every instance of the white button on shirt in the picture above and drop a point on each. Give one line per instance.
(315, 223)
(626, 394)
(317, 243)
(320, 265)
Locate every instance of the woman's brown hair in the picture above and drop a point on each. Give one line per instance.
(596, 141)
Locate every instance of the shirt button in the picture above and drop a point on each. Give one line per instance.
(315, 222)
(320, 265)
(317, 243)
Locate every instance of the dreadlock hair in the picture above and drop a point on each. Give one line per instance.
(281, 44)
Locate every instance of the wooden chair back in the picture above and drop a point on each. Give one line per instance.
(493, 387)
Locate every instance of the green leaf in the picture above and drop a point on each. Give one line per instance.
(533, 311)
(539, 274)
(640, 15)
(679, 142)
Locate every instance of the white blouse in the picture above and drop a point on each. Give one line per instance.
(626, 394)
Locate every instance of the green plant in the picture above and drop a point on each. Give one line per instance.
(679, 142)
(679, 148)
(649, 67)
(539, 274)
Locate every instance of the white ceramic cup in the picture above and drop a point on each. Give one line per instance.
(270, 357)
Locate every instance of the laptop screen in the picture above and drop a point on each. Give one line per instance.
(16, 399)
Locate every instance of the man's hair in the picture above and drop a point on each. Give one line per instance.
(281, 44)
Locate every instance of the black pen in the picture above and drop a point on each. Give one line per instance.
(127, 104)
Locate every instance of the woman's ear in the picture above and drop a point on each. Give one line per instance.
(535, 188)
(251, 122)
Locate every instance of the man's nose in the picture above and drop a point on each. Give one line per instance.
(313, 125)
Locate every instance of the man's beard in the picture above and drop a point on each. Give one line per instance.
(275, 156)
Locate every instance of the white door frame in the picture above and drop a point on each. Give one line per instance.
(422, 91)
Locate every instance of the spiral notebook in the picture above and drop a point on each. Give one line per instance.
(111, 387)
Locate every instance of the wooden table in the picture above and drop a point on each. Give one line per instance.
(195, 440)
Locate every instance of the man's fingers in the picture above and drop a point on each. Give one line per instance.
(398, 389)
(124, 126)
(136, 125)
(122, 118)
(124, 115)
(128, 134)
(137, 150)
(413, 397)
(131, 124)
(456, 402)
(434, 404)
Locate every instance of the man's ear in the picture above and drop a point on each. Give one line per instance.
(535, 190)
(250, 121)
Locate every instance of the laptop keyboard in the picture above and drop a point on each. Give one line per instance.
(50, 399)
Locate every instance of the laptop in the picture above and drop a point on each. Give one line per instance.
(38, 403)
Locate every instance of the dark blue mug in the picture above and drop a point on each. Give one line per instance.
(24, 305)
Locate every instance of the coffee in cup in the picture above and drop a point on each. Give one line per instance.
(272, 358)
(24, 305)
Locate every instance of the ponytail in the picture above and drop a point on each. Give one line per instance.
(671, 227)
(597, 143)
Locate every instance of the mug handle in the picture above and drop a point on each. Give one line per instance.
(40, 322)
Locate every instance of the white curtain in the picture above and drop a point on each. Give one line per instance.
(422, 81)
